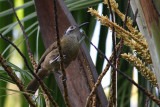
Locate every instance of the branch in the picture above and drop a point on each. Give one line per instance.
(121, 46)
(9, 70)
(25, 60)
(101, 76)
(135, 16)
(91, 84)
(66, 99)
(150, 95)
(26, 37)
(148, 99)
(113, 73)
(127, 9)
(37, 77)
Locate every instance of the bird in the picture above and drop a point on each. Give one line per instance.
(50, 60)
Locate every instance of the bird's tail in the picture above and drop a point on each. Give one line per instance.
(33, 85)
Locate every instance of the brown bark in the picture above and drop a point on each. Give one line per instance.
(149, 13)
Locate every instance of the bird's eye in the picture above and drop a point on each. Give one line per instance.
(72, 27)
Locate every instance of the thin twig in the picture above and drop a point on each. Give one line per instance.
(25, 60)
(150, 95)
(46, 99)
(37, 77)
(113, 73)
(135, 16)
(155, 8)
(26, 37)
(9, 70)
(91, 83)
(148, 99)
(100, 77)
(110, 104)
(121, 46)
(66, 99)
(127, 10)
(27, 42)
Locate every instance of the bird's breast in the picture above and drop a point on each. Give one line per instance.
(70, 47)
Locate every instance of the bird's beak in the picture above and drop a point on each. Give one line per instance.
(81, 25)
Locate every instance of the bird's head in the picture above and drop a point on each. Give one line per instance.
(74, 29)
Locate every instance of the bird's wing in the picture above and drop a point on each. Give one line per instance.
(48, 50)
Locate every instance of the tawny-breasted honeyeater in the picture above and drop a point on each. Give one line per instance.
(50, 60)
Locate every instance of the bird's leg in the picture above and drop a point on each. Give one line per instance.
(60, 76)
(64, 79)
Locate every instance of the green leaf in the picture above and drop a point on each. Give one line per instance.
(80, 4)
(9, 11)
(5, 78)
(22, 41)
(10, 26)
(29, 28)
(17, 91)
(23, 72)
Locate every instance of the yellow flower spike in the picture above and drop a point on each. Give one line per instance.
(113, 3)
(141, 48)
(114, 7)
(145, 71)
(105, 21)
(129, 22)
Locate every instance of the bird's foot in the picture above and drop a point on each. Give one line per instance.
(65, 78)
(60, 76)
